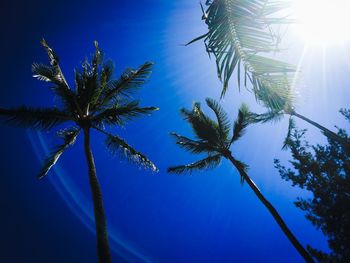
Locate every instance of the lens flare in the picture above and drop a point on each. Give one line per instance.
(323, 22)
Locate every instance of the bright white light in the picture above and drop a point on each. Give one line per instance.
(323, 22)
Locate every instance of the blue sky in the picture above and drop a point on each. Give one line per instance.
(209, 217)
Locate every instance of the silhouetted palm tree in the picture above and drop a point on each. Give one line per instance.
(97, 101)
(214, 140)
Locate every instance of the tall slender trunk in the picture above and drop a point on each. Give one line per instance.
(273, 212)
(332, 135)
(103, 250)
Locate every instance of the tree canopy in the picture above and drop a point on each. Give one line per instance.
(323, 170)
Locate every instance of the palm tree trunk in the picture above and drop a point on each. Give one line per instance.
(273, 212)
(103, 250)
(328, 133)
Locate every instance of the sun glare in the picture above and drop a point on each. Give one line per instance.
(323, 22)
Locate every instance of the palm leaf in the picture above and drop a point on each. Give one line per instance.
(44, 73)
(242, 121)
(61, 87)
(204, 127)
(191, 145)
(96, 59)
(35, 118)
(128, 82)
(291, 127)
(222, 118)
(69, 136)
(238, 30)
(269, 116)
(211, 161)
(118, 145)
(120, 113)
(241, 167)
(54, 62)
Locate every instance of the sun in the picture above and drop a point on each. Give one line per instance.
(323, 22)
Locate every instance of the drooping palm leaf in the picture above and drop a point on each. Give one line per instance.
(69, 136)
(209, 162)
(269, 116)
(241, 167)
(291, 127)
(44, 73)
(239, 33)
(117, 145)
(192, 145)
(35, 118)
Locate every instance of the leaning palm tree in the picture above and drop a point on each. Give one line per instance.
(286, 107)
(240, 36)
(214, 140)
(97, 101)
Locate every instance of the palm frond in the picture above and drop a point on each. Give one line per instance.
(96, 59)
(117, 145)
(205, 128)
(35, 118)
(192, 145)
(106, 73)
(210, 162)
(47, 73)
(53, 73)
(242, 121)
(291, 127)
(69, 136)
(44, 73)
(87, 85)
(237, 32)
(241, 167)
(275, 93)
(270, 116)
(54, 62)
(120, 113)
(128, 82)
(222, 118)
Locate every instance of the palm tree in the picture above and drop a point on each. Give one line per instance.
(285, 107)
(240, 35)
(97, 101)
(214, 140)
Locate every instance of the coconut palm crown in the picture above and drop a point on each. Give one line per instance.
(214, 139)
(97, 102)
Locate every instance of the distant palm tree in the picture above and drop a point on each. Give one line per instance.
(97, 101)
(285, 107)
(214, 140)
(240, 35)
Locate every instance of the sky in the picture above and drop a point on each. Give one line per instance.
(152, 217)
